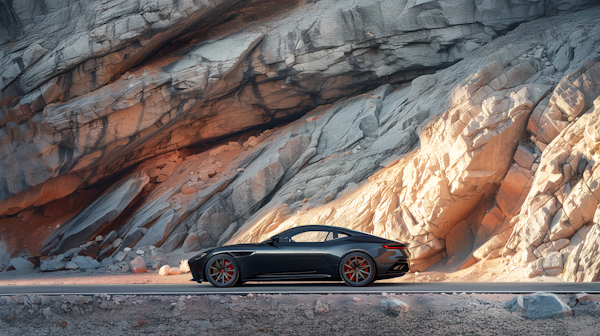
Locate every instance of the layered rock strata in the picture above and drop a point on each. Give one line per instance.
(468, 163)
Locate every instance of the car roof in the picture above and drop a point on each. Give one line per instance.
(324, 227)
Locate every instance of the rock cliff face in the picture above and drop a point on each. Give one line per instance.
(194, 124)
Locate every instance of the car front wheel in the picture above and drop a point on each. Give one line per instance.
(222, 271)
(357, 269)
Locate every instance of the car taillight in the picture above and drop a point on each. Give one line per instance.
(394, 247)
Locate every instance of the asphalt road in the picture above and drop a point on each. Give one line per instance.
(306, 288)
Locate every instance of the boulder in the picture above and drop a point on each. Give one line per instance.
(394, 306)
(117, 242)
(164, 270)
(552, 261)
(191, 243)
(108, 240)
(175, 240)
(86, 262)
(106, 252)
(55, 263)
(175, 271)
(71, 265)
(184, 266)
(524, 156)
(539, 306)
(21, 264)
(91, 249)
(563, 58)
(138, 265)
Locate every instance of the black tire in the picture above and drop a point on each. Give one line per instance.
(222, 271)
(357, 269)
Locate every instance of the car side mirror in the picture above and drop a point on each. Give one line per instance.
(274, 240)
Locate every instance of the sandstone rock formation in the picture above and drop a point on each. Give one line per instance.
(196, 124)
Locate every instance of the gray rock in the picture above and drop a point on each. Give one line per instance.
(205, 239)
(227, 234)
(158, 231)
(106, 252)
(71, 265)
(201, 324)
(108, 239)
(107, 261)
(120, 256)
(55, 263)
(131, 239)
(86, 262)
(394, 306)
(174, 241)
(539, 306)
(117, 242)
(563, 58)
(191, 243)
(106, 208)
(21, 264)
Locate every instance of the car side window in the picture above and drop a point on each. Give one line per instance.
(333, 235)
(309, 237)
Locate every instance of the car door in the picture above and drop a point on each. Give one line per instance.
(333, 248)
(300, 252)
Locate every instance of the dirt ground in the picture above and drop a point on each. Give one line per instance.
(458, 314)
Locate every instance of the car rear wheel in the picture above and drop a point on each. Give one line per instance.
(222, 271)
(357, 269)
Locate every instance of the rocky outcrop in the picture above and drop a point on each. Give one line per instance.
(197, 125)
(559, 210)
(318, 53)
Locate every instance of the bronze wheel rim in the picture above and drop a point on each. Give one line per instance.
(357, 269)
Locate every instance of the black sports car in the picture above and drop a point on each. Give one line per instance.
(312, 252)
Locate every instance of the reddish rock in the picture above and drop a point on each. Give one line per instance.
(153, 172)
(490, 221)
(91, 249)
(524, 156)
(470, 262)
(511, 189)
(35, 261)
(188, 190)
(138, 265)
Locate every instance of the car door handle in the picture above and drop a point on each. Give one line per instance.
(314, 249)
